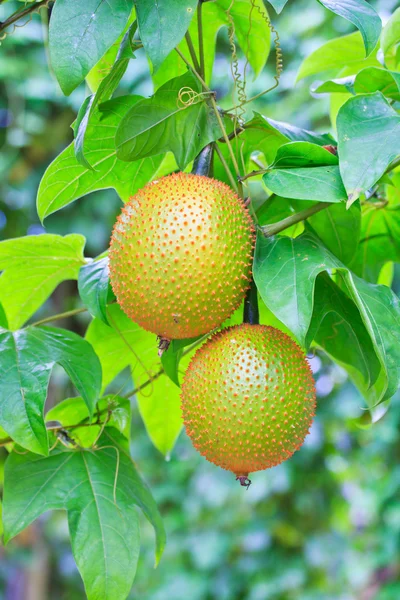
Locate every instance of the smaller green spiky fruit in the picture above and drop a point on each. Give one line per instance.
(180, 255)
(248, 398)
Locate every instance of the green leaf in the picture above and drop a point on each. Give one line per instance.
(339, 229)
(100, 489)
(390, 41)
(285, 271)
(74, 410)
(66, 180)
(267, 136)
(93, 286)
(278, 4)
(337, 86)
(373, 79)
(80, 34)
(27, 359)
(347, 51)
(303, 154)
(254, 42)
(170, 361)
(368, 141)
(362, 15)
(162, 25)
(163, 122)
(33, 267)
(3, 318)
(251, 29)
(379, 240)
(102, 69)
(105, 90)
(317, 183)
(125, 344)
(337, 327)
(370, 79)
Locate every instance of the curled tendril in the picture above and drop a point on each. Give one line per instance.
(187, 96)
(278, 58)
(28, 20)
(239, 84)
(277, 44)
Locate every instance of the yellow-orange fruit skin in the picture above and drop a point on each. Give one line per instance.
(248, 398)
(180, 255)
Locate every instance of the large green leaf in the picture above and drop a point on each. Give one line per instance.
(105, 65)
(33, 266)
(80, 33)
(162, 25)
(317, 183)
(370, 79)
(368, 140)
(3, 318)
(362, 15)
(125, 344)
(285, 271)
(379, 240)
(303, 154)
(347, 51)
(338, 228)
(93, 285)
(278, 4)
(254, 41)
(390, 41)
(100, 489)
(104, 92)
(337, 327)
(250, 23)
(267, 136)
(166, 122)
(66, 179)
(27, 358)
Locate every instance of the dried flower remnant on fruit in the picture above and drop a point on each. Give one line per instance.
(248, 399)
(180, 255)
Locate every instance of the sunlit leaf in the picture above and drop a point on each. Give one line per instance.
(100, 490)
(81, 33)
(33, 267)
(27, 358)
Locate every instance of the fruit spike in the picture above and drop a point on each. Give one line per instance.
(180, 255)
(248, 399)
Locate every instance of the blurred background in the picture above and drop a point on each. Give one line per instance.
(326, 524)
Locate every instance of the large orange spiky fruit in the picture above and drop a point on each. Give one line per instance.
(180, 255)
(248, 399)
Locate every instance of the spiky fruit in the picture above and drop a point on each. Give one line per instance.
(180, 255)
(248, 398)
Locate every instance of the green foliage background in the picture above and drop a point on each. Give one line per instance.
(326, 524)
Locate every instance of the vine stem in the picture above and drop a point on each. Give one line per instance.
(192, 52)
(200, 36)
(8, 440)
(22, 13)
(63, 315)
(274, 228)
(227, 169)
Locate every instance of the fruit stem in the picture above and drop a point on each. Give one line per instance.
(226, 167)
(250, 312)
(244, 481)
(203, 162)
(274, 228)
